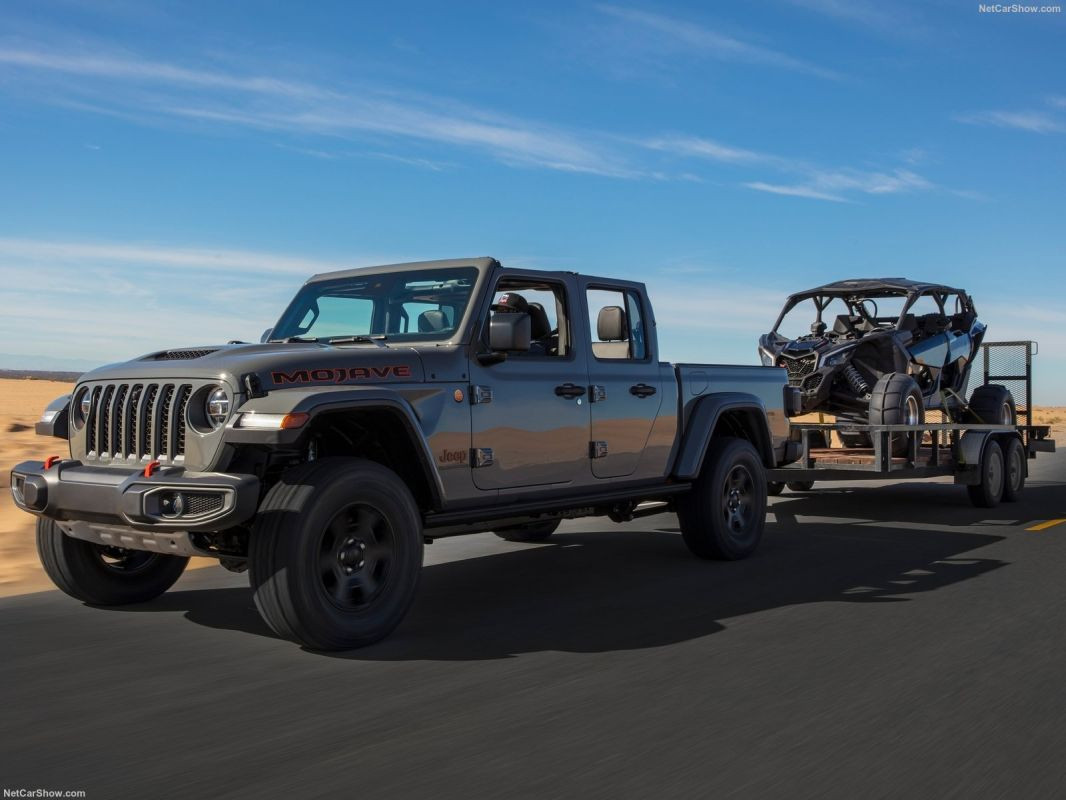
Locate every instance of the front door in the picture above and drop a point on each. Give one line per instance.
(531, 412)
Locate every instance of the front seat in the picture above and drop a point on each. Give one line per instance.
(432, 321)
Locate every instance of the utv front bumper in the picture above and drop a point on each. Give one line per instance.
(164, 501)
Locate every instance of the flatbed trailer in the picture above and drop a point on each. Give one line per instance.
(990, 460)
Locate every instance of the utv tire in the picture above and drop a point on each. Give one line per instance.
(1014, 466)
(534, 532)
(335, 554)
(989, 491)
(992, 404)
(724, 514)
(102, 575)
(857, 439)
(897, 400)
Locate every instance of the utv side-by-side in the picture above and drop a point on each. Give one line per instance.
(882, 351)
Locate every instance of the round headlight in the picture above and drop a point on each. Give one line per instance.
(217, 407)
(81, 407)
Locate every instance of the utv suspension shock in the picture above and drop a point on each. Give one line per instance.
(856, 381)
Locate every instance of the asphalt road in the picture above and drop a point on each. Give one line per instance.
(884, 642)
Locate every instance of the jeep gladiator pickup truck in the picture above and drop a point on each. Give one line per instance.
(388, 407)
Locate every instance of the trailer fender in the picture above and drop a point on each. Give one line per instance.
(734, 408)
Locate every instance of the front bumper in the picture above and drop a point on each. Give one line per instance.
(170, 500)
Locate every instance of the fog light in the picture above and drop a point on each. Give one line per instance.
(171, 504)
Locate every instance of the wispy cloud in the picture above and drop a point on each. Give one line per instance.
(271, 103)
(795, 191)
(891, 20)
(705, 148)
(683, 35)
(1032, 121)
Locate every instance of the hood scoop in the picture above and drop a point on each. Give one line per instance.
(180, 355)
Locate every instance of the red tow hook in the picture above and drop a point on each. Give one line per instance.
(51, 461)
(150, 467)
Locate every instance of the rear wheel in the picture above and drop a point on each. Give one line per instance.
(989, 491)
(102, 575)
(335, 554)
(1014, 466)
(724, 514)
(992, 404)
(897, 400)
(534, 532)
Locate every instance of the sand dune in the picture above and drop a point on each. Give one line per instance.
(21, 403)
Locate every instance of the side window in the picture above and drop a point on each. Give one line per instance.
(617, 322)
(546, 305)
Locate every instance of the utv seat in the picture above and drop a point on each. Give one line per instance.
(848, 324)
(613, 333)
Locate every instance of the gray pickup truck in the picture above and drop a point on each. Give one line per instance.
(388, 407)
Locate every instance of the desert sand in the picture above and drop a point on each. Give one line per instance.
(21, 403)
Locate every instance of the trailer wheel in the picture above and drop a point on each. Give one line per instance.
(800, 486)
(724, 514)
(335, 554)
(774, 488)
(989, 491)
(534, 532)
(102, 575)
(1014, 479)
(991, 404)
(897, 400)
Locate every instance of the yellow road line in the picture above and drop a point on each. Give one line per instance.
(1051, 523)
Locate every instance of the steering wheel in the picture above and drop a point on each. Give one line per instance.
(867, 314)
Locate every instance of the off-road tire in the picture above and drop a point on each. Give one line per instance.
(989, 491)
(710, 524)
(534, 532)
(308, 583)
(1014, 465)
(896, 400)
(991, 404)
(104, 576)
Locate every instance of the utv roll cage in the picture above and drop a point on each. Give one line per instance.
(854, 292)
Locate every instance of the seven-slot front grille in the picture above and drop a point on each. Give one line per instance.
(799, 367)
(137, 421)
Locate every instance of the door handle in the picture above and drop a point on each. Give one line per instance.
(570, 390)
(642, 390)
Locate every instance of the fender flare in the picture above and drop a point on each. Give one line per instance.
(704, 417)
(317, 403)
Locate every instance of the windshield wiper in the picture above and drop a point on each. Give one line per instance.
(362, 339)
(292, 339)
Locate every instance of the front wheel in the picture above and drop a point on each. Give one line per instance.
(724, 514)
(102, 575)
(335, 554)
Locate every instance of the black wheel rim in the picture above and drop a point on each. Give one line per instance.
(1014, 468)
(738, 495)
(123, 560)
(355, 556)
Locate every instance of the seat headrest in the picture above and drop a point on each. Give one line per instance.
(611, 324)
(432, 321)
(539, 326)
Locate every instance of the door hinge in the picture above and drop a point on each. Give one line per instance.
(480, 395)
(597, 394)
(480, 457)
(597, 449)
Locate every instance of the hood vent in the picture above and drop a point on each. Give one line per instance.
(180, 355)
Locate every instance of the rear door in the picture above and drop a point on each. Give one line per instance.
(531, 412)
(625, 383)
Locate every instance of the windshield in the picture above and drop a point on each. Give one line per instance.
(878, 308)
(409, 306)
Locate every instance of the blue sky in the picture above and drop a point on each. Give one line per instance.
(171, 173)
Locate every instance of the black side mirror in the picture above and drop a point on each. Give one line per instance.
(509, 332)
(266, 335)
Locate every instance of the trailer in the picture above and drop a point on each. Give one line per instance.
(991, 460)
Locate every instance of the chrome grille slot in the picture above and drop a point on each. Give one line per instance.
(137, 421)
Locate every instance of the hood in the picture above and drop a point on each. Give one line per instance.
(274, 365)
